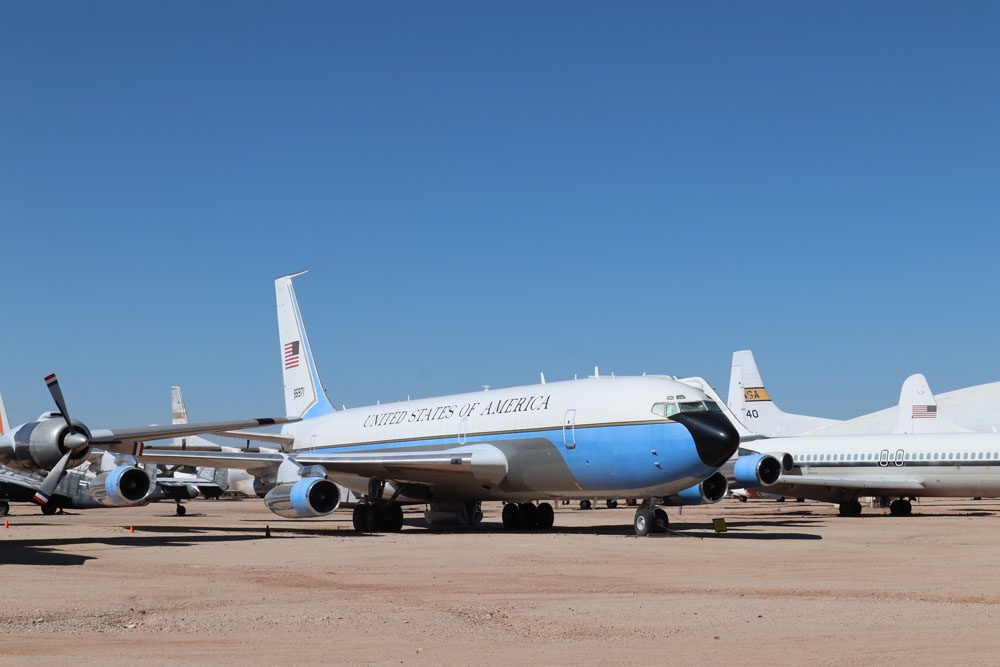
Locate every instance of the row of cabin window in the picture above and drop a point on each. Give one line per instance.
(936, 456)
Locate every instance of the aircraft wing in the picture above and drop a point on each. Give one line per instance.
(240, 460)
(866, 482)
(8, 476)
(480, 462)
(188, 481)
(484, 463)
(276, 438)
(117, 436)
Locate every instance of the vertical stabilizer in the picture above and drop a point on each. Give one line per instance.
(304, 394)
(4, 424)
(918, 410)
(752, 403)
(178, 414)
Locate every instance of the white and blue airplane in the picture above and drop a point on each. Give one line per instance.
(638, 437)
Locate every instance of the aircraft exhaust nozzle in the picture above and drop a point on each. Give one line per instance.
(714, 437)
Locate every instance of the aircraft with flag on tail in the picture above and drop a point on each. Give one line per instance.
(924, 455)
(36, 455)
(638, 437)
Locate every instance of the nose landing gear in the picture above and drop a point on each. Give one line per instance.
(648, 521)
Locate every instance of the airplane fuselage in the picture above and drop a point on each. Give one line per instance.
(558, 440)
(949, 465)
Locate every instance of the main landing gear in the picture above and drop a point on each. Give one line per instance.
(374, 515)
(850, 508)
(528, 516)
(180, 510)
(900, 507)
(648, 521)
(4, 508)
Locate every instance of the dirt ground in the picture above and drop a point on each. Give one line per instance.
(789, 583)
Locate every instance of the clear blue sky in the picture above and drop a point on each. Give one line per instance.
(484, 192)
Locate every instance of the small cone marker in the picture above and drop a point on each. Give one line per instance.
(5, 524)
(267, 531)
(131, 529)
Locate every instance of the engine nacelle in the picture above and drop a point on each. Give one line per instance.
(310, 496)
(786, 460)
(756, 470)
(124, 485)
(40, 444)
(711, 490)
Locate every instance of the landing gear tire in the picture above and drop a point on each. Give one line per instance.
(526, 516)
(545, 516)
(900, 507)
(661, 522)
(181, 510)
(360, 518)
(392, 519)
(743, 499)
(4, 508)
(643, 522)
(631, 502)
(509, 516)
(850, 508)
(585, 504)
(612, 504)
(49, 508)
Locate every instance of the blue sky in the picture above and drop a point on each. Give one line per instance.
(485, 192)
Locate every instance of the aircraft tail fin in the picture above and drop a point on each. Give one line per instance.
(304, 393)
(753, 405)
(917, 411)
(4, 424)
(178, 413)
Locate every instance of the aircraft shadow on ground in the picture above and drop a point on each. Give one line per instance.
(43, 552)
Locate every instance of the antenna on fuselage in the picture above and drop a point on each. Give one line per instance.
(542, 377)
(485, 387)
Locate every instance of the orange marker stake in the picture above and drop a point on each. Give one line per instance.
(5, 524)
(131, 529)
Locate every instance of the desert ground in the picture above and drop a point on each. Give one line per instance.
(788, 583)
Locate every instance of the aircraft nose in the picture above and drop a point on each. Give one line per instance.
(714, 437)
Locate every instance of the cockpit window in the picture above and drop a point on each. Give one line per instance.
(671, 408)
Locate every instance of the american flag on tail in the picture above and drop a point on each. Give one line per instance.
(292, 355)
(924, 411)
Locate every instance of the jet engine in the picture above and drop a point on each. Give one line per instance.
(123, 485)
(756, 470)
(308, 497)
(711, 490)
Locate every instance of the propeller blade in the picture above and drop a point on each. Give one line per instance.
(48, 487)
(52, 382)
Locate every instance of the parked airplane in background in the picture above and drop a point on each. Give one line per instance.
(925, 456)
(974, 408)
(35, 456)
(750, 400)
(648, 437)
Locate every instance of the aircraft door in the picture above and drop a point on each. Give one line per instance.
(569, 429)
(463, 428)
(883, 458)
(898, 461)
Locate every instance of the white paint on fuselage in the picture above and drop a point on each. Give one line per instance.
(956, 465)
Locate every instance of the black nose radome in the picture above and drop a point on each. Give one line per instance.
(714, 437)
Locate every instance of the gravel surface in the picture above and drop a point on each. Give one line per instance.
(788, 583)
